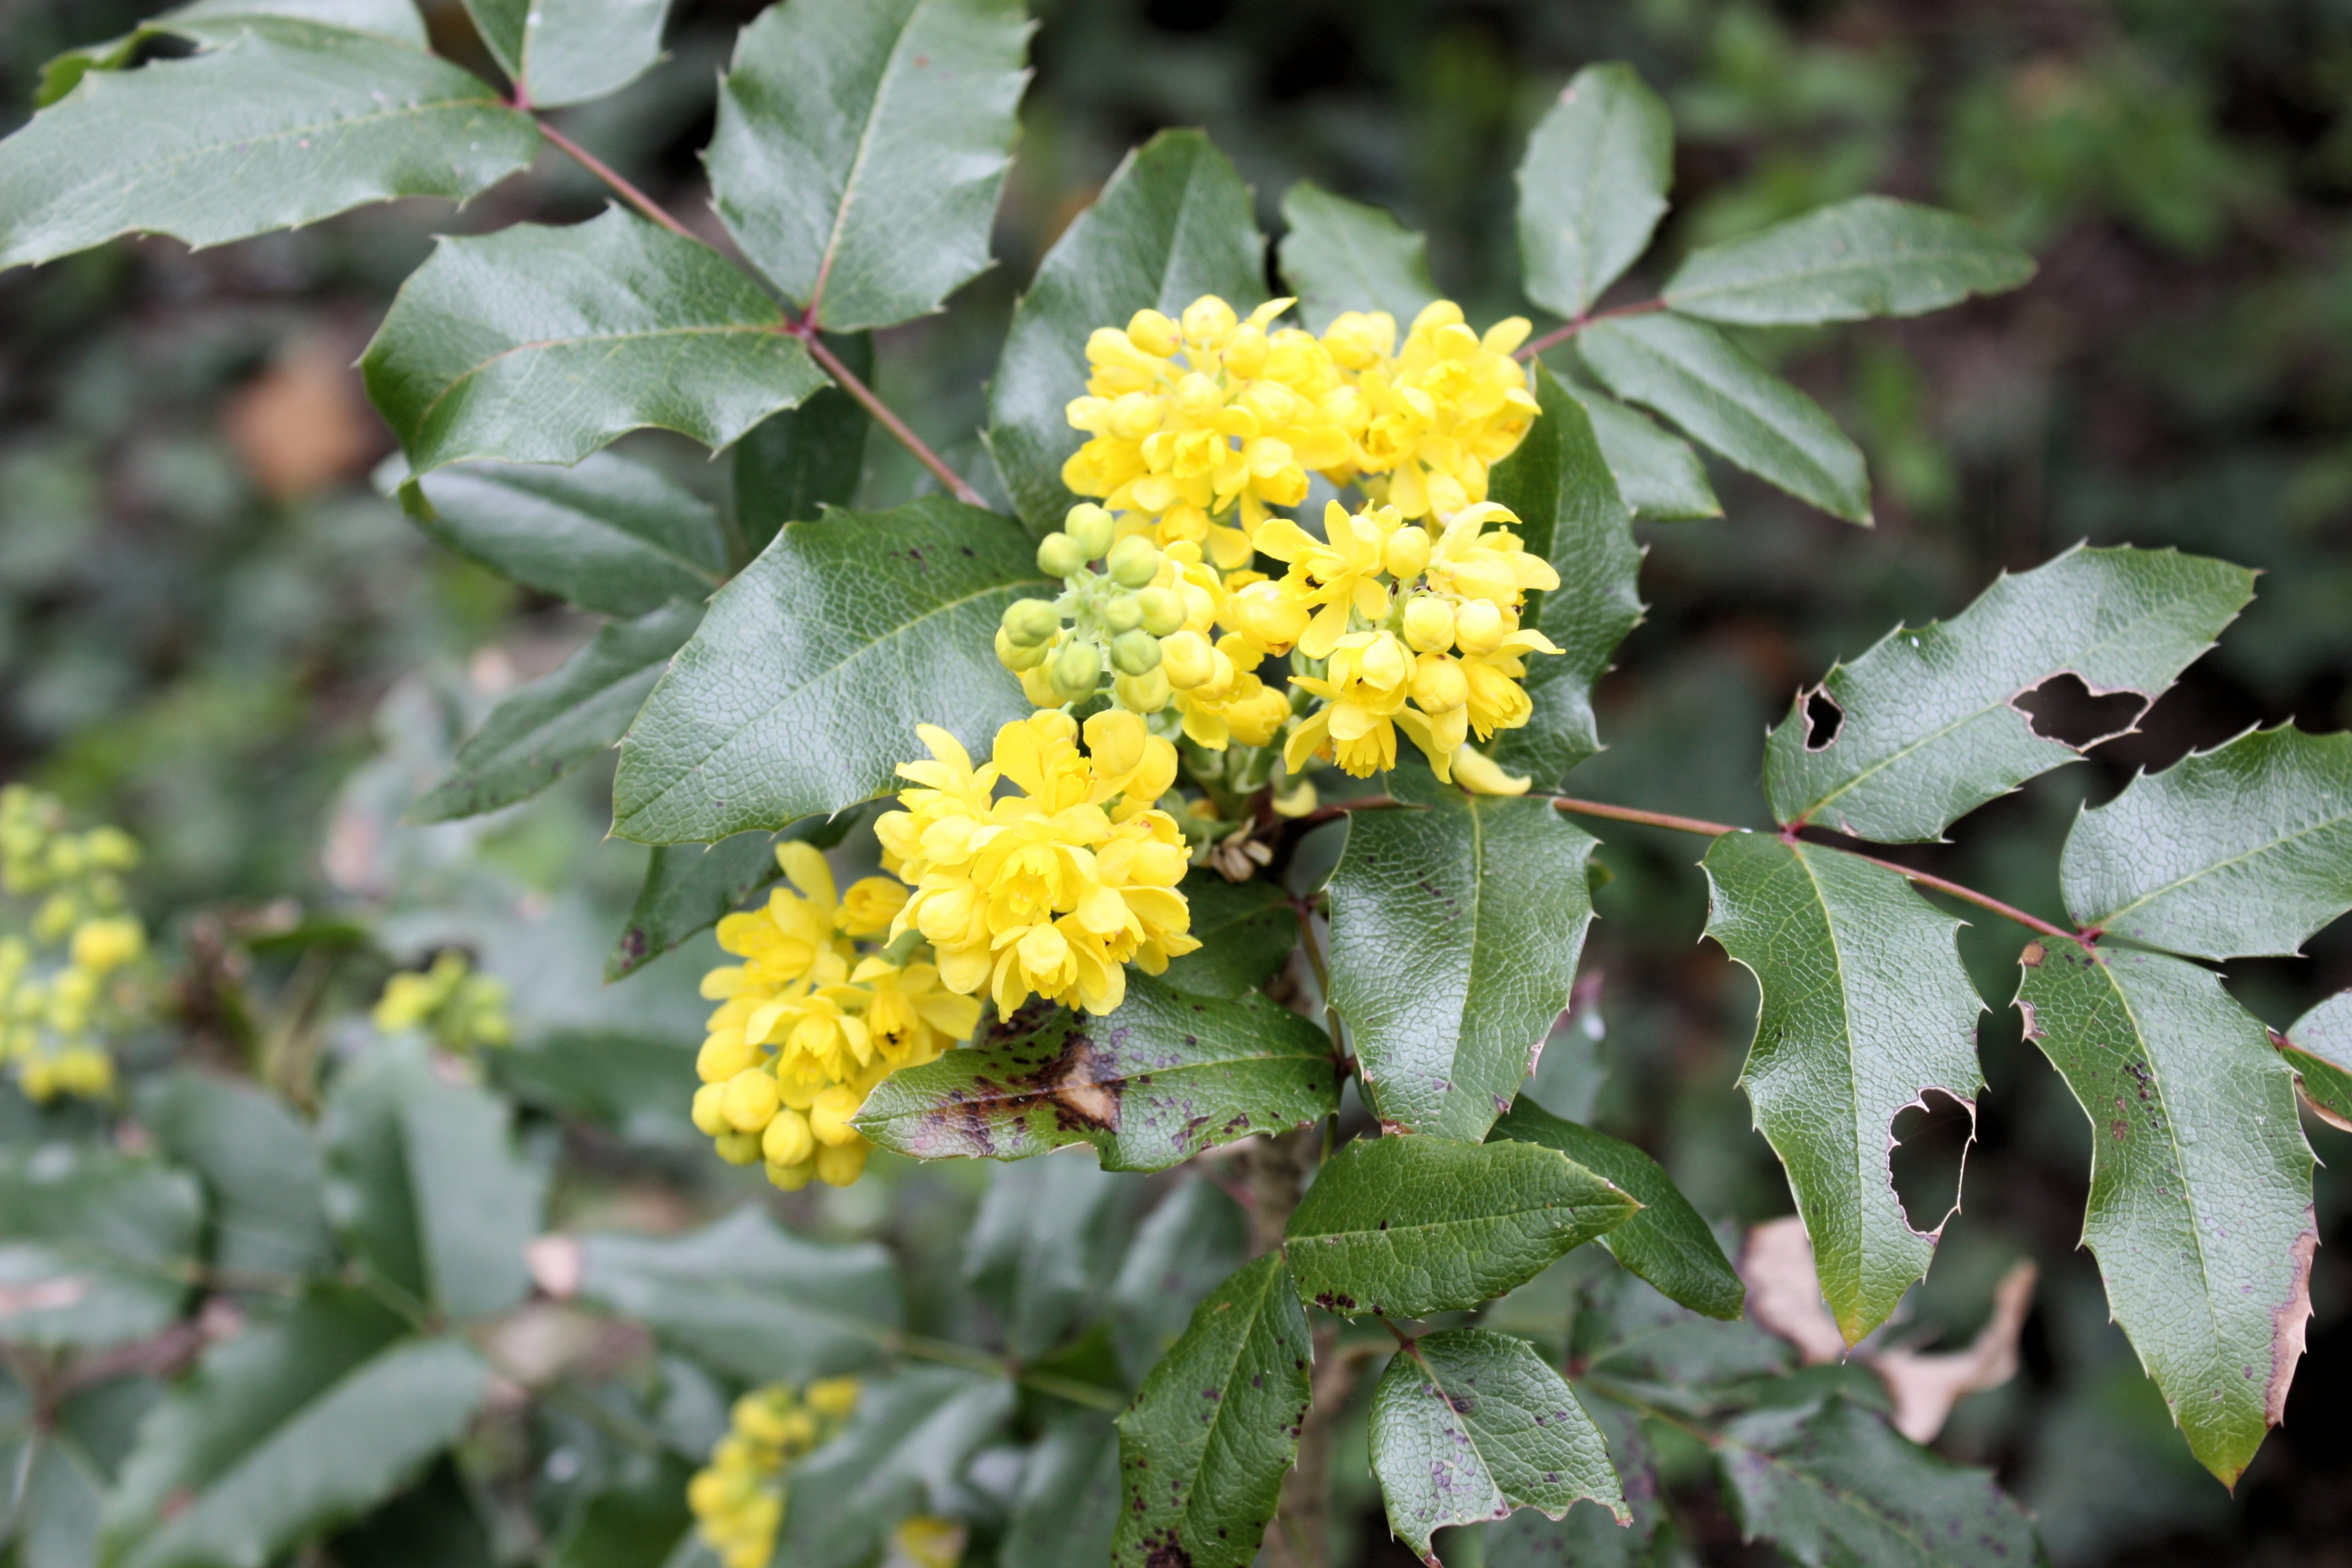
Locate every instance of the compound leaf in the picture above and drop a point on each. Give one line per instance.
(902, 1453)
(1592, 186)
(2319, 1048)
(258, 1162)
(96, 1247)
(569, 52)
(1341, 255)
(1658, 476)
(1871, 256)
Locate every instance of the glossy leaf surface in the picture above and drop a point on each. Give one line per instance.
(1341, 255)
(1592, 186)
(569, 52)
(1871, 255)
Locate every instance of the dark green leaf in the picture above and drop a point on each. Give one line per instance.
(208, 24)
(628, 1082)
(1831, 1486)
(792, 466)
(2201, 1181)
(1703, 382)
(435, 1521)
(1591, 1537)
(688, 887)
(1403, 1226)
(1871, 256)
(278, 128)
(638, 1519)
(750, 1297)
(1865, 1007)
(1666, 1243)
(1248, 932)
(902, 1453)
(861, 145)
(540, 345)
(1559, 485)
(1154, 1083)
(1469, 1424)
(1193, 1240)
(1926, 727)
(258, 1162)
(96, 1247)
(1342, 255)
(291, 1426)
(1174, 224)
(801, 693)
(564, 718)
(1067, 1506)
(1592, 186)
(2241, 850)
(1658, 475)
(1456, 929)
(1630, 1339)
(569, 52)
(1042, 1248)
(611, 535)
(1203, 1449)
(2319, 1048)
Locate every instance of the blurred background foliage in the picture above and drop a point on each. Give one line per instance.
(212, 631)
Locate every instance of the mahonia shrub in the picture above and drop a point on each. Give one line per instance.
(1179, 782)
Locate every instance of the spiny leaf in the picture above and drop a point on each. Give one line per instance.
(208, 24)
(1157, 1082)
(540, 345)
(95, 1246)
(2201, 1181)
(1041, 1249)
(1871, 256)
(1658, 475)
(1341, 255)
(800, 693)
(2319, 1048)
(1926, 727)
(1174, 224)
(2241, 850)
(1865, 1007)
(689, 887)
(1248, 932)
(1592, 1537)
(861, 145)
(258, 1162)
(1592, 186)
(1203, 1448)
(1469, 1424)
(1405, 1226)
(275, 130)
(902, 1453)
(569, 52)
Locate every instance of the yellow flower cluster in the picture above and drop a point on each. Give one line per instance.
(808, 1024)
(737, 1499)
(1439, 412)
(55, 1016)
(461, 1010)
(1053, 889)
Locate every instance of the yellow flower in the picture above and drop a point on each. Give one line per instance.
(1365, 687)
(461, 1010)
(1438, 414)
(738, 1499)
(105, 944)
(1335, 575)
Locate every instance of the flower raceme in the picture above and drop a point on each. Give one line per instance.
(739, 1498)
(63, 970)
(462, 1011)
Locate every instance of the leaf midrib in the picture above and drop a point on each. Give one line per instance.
(1852, 1080)
(1770, 279)
(1247, 1330)
(2216, 866)
(765, 328)
(849, 185)
(1767, 415)
(1894, 1524)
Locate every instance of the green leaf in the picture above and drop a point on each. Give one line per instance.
(627, 1082)
(291, 1426)
(1871, 256)
(540, 345)
(1159, 1081)
(257, 1161)
(860, 148)
(1658, 475)
(1926, 726)
(2319, 1048)
(565, 717)
(2201, 1181)
(794, 464)
(1832, 1486)
(1469, 1424)
(52, 1503)
(1592, 1537)
(1067, 1506)
(902, 1453)
(1041, 1249)
(435, 1521)
(1630, 1340)
(1456, 929)
(208, 24)
(750, 1297)
(1865, 1007)
(1248, 932)
(611, 535)
(1203, 1449)
(1405, 1226)
(1704, 382)
(1666, 1243)
(638, 1519)
(1559, 485)
(96, 1247)
(1592, 186)
(426, 1185)
(1174, 224)
(2243, 851)
(274, 130)
(689, 887)
(800, 693)
(569, 52)
(1182, 1250)
(1341, 255)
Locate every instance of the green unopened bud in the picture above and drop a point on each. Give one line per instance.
(1059, 555)
(1122, 613)
(1090, 525)
(1031, 621)
(1077, 669)
(1163, 611)
(1134, 652)
(1016, 656)
(1134, 561)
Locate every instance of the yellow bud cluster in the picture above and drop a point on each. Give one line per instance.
(738, 1498)
(462, 1011)
(1053, 889)
(62, 970)
(1438, 412)
(816, 1015)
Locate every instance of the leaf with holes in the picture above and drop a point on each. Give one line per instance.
(861, 145)
(2243, 851)
(800, 694)
(1342, 255)
(794, 464)
(2201, 1181)
(2319, 1048)
(209, 24)
(1456, 929)
(1405, 1226)
(1203, 1449)
(569, 52)
(1592, 186)
(1468, 1425)
(1174, 224)
(1571, 514)
(1704, 382)
(1159, 1081)
(1926, 725)
(1865, 1007)
(258, 1162)
(1871, 256)
(1248, 932)
(540, 345)
(96, 1247)
(688, 887)
(903, 1453)
(1041, 1250)
(1658, 476)
(278, 128)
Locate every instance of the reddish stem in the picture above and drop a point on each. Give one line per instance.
(1646, 818)
(881, 414)
(1561, 333)
(606, 172)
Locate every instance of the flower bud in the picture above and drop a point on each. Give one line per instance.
(724, 1055)
(1438, 684)
(1153, 333)
(840, 1165)
(1014, 657)
(1134, 561)
(1479, 626)
(1091, 527)
(1076, 669)
(1209, 320)
(1406, 554)
(1163, 611)
(1429, 622)
(1122, 613)
(1244, 353)
(1134, 652)
(1187, 659)
(737, 1148)
(791, 1178)
(828, 1117)
(787, 1140)
(750, 1099)
(1059, 555)
(1031, 621)
(1145, 693)
(709, 1113)
(1264, 614)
